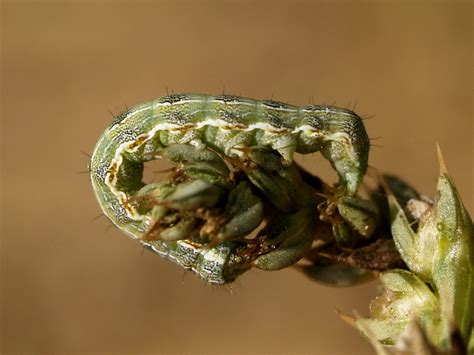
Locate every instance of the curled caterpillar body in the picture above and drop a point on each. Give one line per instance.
(228, 125)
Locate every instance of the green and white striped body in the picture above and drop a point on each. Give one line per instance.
(227, 124)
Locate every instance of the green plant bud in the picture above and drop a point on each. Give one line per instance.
(193, 195)
(208, 172)
(337, 275)
(292, 235)
(274, 192)
(199, 164)
(361, 215)
(281, 183)
(182, 230)
(245, 211)
(406, 297)
(158, 212)
(151, 195)
(188, 153)
(156, 190)
(343, 234)
(442, 250)
(418, 251)
(268, 160)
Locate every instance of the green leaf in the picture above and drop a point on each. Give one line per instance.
(453, 270)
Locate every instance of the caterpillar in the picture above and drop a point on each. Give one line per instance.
(227, 124)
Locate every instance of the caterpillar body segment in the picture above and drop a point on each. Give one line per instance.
(218, 265)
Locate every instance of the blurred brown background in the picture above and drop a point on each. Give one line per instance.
(71, 285)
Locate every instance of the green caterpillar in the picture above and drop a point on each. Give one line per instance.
(227, 125)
